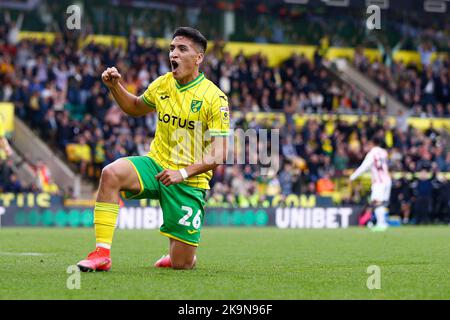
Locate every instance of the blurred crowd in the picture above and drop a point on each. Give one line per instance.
(423, 88)
(57, 90)
(345, 27)
(296, 86)
(316, 158)
(262, 22)
(421, 199)
(11, 182)
(11, 165)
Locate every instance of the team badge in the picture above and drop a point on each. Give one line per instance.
(196, 105)
(225, 114)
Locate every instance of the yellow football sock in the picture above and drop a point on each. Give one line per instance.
(105, 217)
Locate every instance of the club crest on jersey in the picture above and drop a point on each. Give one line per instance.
(196, 105)
(225, 114)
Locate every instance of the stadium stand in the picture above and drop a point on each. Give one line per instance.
(265, 22)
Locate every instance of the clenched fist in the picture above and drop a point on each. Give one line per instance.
(111, 77)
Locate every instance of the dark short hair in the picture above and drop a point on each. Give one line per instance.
(378, 141)
(193, 34)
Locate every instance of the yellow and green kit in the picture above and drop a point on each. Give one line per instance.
(186, 113)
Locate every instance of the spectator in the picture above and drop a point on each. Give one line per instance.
(50, 127)
(324, 185)
(426, 49)
(286, 179)
(51, 187)
(14, 184)
(442, 204)
(42, 174)
(14, 28)
(423, 195)
(84, 154)
(340, 161)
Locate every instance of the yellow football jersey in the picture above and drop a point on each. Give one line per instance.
(2, 128)
(187, 115)
(2, 135)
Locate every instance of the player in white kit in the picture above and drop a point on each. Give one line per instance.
(377, 161)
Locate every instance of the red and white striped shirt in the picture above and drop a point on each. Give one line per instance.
(377, 161)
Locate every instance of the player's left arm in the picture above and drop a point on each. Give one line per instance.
(211, 160)
(365, 165)
(4, 145)
(219, 129)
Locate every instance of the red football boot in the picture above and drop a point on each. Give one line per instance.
(164, 262)
(97, 260)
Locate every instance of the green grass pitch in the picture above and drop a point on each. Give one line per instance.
(233, 263)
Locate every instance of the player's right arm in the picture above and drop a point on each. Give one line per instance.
(129, 103)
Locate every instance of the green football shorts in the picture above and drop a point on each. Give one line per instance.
(182, 205)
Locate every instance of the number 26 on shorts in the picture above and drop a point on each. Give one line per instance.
(195, 222)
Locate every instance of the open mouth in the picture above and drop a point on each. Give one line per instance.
(174, 65)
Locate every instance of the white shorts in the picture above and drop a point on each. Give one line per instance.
(381, 192)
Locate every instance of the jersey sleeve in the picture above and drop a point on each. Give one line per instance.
(149, 96)
(365, 165)
(2, 130)
(219, 117)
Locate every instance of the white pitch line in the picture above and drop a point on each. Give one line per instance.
(34, 254)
